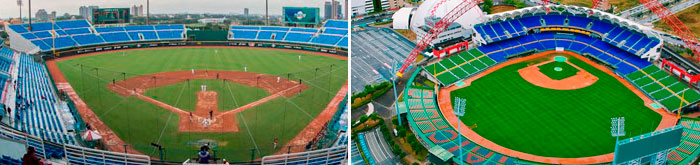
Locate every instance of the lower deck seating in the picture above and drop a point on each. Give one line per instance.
(244, 34)
(40, 118)
(459, 66)
(690, 142)
(435, 131)
(663, 87)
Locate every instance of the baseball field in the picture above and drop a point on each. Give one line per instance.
(237, 100)
(544, 120)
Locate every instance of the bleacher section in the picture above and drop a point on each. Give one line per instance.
(626, 39)
(656, 83)
(432, 128)
(459, 66)
(41, 118)
(333, 33)
(78, 33)
(688, 149)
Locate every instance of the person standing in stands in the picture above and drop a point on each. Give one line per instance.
(29, 158)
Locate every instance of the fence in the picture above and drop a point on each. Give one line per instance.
(74, 154)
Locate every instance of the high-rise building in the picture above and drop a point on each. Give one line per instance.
(338, 10)
(137, 10)
(328, 10)
(86, 11)
(329, 13)
(42, 15)
(345, 10)
(247, 17)
(53, 15)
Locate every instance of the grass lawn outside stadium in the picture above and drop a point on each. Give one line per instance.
(140, 123)
(515, 114)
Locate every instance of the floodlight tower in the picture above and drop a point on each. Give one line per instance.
(458, 110)
(617, 129)
(393, 84)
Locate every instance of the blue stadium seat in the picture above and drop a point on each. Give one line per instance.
(171, 34)
(44, 26)
(601, 27)
(245, 27)
(244, 34)
(613, 33)
(43, 34)
(551, 20)
(274, 28)
(531, 21)
(576, 21)
(61, 42)
(88, 39)
(143, 35)
(343, 42)
(337, 24)
(298, 37)
(335, 31)
(29, 36)
(73, 24)
(169, 27)
(41, 44)
(326, 39)
(139, 27)
(109, 29)
(308, 30)
(18, 28)
(267, 35)
(78, 31)
(116, 37)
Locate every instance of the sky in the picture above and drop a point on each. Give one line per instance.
(9, 8)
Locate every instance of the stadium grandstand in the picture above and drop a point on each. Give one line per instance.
(333, 33)
(45, 118)
(631, 51)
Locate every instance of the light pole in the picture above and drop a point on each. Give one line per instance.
(458, 110)
(617, 129)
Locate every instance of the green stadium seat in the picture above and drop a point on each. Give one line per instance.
(478, 64)
(643, 81)
(659, 75)
(661, 94)
(668, 81)
(487, 60)
(672, 103)
(635, 75)
(650, 88)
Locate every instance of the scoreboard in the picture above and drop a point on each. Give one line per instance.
(111, 15)
(301, 15)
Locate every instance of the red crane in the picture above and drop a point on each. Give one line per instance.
(439, 27)
(662, 12)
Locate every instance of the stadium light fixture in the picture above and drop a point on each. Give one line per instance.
(458, 110)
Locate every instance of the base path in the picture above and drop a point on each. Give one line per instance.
(533, 75)
(201, 121)
(444, 102)
(317, 124)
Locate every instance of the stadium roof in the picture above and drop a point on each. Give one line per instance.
(441, 153)
(401, 18)
(467, 20)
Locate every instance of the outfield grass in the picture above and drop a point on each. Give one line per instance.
(554, 123)
(226, 90)
(567, 70)
(140, 123)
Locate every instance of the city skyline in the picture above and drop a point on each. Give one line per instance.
(158, 7)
